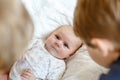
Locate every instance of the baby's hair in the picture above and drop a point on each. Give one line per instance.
(16, 29)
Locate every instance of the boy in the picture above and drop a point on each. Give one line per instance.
(46, 60)
(97, 22)
(16, 30)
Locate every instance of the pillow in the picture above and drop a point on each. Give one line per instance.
(82, 67)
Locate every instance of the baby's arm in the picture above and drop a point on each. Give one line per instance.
(27, 75)
(18, 67)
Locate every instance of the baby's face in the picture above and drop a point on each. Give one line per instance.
(62, 42)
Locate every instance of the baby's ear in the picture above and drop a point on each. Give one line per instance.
(103, 45)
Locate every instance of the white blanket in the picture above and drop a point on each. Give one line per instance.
(49, 14)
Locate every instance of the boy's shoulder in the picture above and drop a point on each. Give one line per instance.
(114, 73)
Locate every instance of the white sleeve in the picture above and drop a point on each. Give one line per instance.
(33, 42)
(15, 72)
(56, 71)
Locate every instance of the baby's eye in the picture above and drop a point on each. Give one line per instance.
(57, 37)
(65, 45)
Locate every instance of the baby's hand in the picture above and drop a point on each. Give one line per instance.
(27, 75)
(21, 58)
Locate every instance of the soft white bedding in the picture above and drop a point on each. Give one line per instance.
(47, 15)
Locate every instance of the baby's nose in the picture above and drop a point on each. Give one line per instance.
(58, 43)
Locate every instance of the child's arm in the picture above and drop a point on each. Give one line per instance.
(4, 77)
(28, 75)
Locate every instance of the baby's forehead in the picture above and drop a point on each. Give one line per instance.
(68, 27)
(65, 30)
(68, 34)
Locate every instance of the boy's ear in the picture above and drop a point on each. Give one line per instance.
(103, 45)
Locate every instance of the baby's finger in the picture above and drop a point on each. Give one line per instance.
(24, 78)
(29, 71)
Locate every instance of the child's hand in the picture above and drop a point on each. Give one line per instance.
(27, 75)
(3, 77)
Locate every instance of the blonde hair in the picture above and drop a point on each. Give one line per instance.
(16, 30)
(98, 18)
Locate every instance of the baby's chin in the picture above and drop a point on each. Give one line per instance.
(52, 52)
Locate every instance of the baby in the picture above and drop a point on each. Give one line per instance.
(45, 60)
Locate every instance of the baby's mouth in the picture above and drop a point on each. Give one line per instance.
(54, 48)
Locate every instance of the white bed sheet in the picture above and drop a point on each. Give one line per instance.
(47, 15)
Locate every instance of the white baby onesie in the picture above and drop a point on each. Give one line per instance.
(41, 62)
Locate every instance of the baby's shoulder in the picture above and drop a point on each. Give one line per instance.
(35, 42)
(57, 61)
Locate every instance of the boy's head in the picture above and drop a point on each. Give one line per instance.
(97, 22)
(16, 30)
(62, 42)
